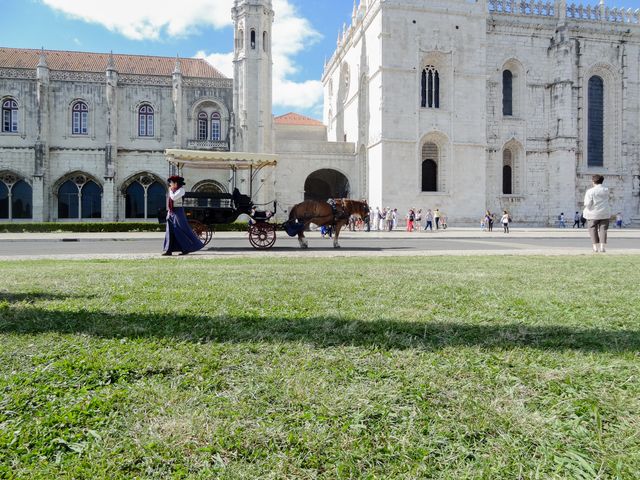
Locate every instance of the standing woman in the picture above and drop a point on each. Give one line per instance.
(179, 236)
(597, 212)
(505, 220)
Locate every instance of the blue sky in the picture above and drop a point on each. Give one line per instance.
(305, 33)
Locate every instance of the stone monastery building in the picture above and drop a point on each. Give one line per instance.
(462, 105)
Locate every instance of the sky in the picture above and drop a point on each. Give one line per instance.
(304, 34)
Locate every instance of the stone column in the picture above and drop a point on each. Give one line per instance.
(178, 119)
(109, 204)
(40, 206)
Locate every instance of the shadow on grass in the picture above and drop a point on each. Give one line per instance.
(319, 331)
(12, 297)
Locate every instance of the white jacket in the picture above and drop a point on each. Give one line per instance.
(596, 203)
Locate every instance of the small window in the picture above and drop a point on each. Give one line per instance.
(264, 41)
(215, 127)
(10, 116)
(507, 93)
(203, 126)
(145, 121)
(79, 118)
(240, 39)
(430, 88)
(253, 39)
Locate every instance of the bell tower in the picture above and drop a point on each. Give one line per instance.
(252, 65)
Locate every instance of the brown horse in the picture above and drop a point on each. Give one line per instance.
(321, 213)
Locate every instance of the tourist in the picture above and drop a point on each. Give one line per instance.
(178, 234)
(505, 220)
(482, 224)
(583, 221)
(561, 223)
(597, 213)
(436, 216)
(395, 218)
(488, 220)
(376, 219)
(429, 220)
(443, 221)
(576, 220)
(411, 216)
(418, 221)
(389, 219)
(619, 219)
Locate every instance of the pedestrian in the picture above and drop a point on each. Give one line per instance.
(395, 218)
(597, 212)
(576, 220)
(489, 220)
(482, 224)
(619, 219)
(429, 220)
(411, 216)
(178, 234)
(505, 220)
(389, 219)
(418, 220)
(583, 221)
(561, 223)
(443, 221)
(376, 219)
(436, 216)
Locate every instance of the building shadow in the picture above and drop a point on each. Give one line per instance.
(320, 331)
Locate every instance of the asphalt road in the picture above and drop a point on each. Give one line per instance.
(361, 244)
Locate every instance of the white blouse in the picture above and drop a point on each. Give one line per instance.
(178, 194)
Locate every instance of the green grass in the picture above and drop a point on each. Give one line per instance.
(457, 368)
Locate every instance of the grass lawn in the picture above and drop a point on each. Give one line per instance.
(448, 367)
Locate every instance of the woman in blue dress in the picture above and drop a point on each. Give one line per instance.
(179, 236)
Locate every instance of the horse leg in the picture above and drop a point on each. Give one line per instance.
(302, 240)
(335, 237)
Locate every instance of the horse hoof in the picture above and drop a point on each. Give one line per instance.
(336, 246)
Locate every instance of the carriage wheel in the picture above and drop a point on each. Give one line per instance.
(203, 232)
(262, 235)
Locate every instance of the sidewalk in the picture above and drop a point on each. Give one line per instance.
(450, 233)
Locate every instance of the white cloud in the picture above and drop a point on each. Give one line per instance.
(153, 19)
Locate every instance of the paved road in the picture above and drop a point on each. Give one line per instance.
(397, 243)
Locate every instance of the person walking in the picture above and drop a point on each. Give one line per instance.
(411, 216)
(178, 234)
(505, 220)
(597, 212)
(489, 219)
(418, 221)
(389, 219)
(428, 220)
(576, 220)
(619, 220)
(561, 222)
(436, 216)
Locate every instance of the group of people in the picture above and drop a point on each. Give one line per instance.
(579, 220)
(179, 236)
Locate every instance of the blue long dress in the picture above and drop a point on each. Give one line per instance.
(179, 236)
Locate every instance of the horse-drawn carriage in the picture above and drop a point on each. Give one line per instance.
(205, 210)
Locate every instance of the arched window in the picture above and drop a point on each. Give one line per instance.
(507, 180)
(240, 39)
(203, 126)
(79, 118)
(144, 197)
(430, 156)
(21, 200)
(145, 121)
(264, 41)
(595, 142)
(215, 126)
(68, 200)
(253, 39)
(10, 116)
(507, 93)
(4, 200)
(430, 88)
(91, 200)
(134, 201)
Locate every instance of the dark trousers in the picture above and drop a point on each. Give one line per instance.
(576, 223)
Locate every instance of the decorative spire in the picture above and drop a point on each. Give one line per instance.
(177, 70)
(355, 11)
(111, 64)
(42, 62)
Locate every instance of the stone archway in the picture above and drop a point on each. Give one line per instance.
(326, 183)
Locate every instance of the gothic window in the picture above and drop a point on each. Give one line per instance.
(507, 180)
(215, 126)
(143, 198)
(507, 93)
(430, 88)
(68, 195)
(203, 126)
(145, 121)
(91, 204)
(79, 118)
(21, 200)
(10, 116)
(264, 41)
(253, 39)
(79, 198)
(430, 156)
(4, 200)
(595, 142)
(240, 39)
